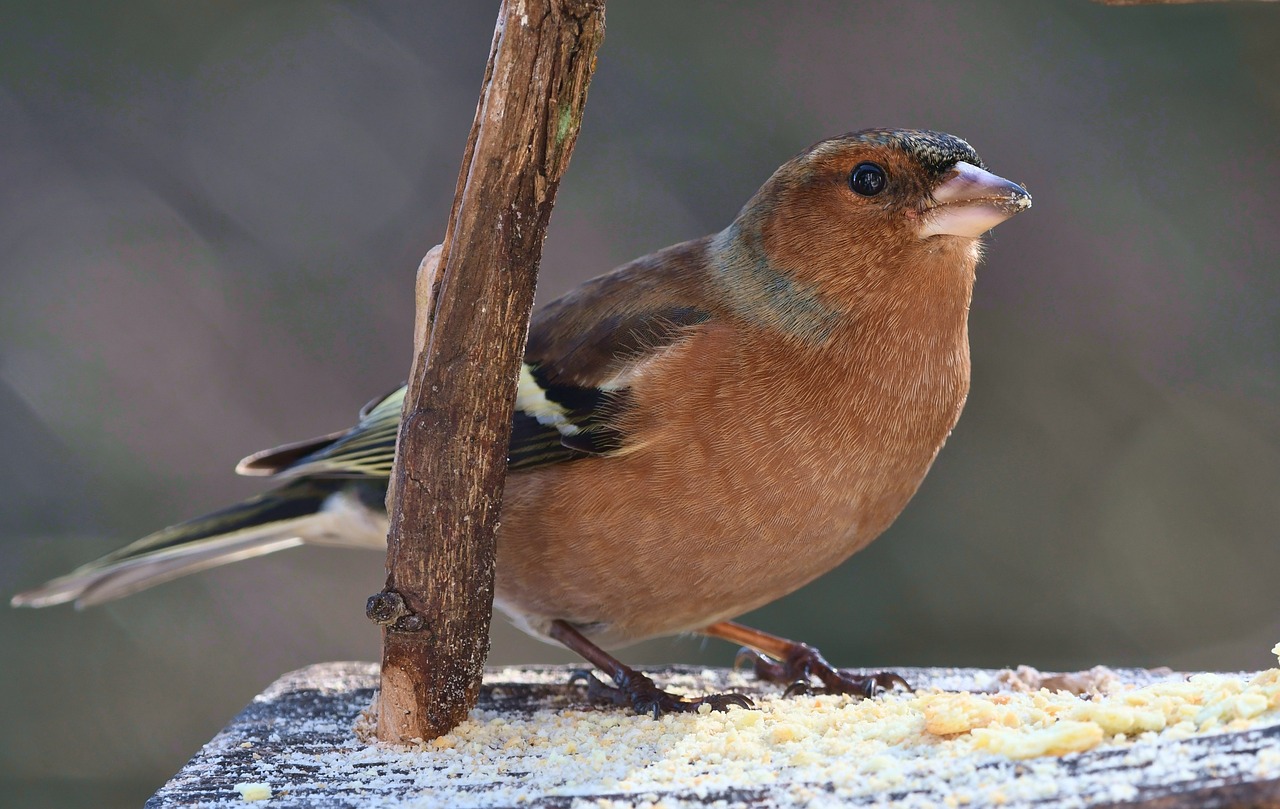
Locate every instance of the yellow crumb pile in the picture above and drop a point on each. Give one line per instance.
(1045, 723)
(940, 744)
(800, 731)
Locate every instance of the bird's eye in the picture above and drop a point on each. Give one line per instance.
(868, 179)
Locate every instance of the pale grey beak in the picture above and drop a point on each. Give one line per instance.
(970, 202)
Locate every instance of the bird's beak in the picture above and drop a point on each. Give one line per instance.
(970, 202)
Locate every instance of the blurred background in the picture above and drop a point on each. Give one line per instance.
(210, 218)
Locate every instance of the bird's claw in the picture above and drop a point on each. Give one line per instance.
(883, 681)
(597, 689)
(804, 662)
(637, 691)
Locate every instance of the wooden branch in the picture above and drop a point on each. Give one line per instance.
(451, 457)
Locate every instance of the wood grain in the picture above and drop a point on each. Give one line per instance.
(297, 737)
(451, 458)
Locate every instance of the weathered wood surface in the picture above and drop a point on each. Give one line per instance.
(451, 462)
(298, 738)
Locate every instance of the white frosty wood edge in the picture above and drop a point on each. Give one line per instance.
(533, 741)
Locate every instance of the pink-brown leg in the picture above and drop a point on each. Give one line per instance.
(630, 687)
(787, 661)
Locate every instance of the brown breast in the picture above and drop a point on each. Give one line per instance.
(754, 472)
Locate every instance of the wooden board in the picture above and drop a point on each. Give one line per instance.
(298, 739)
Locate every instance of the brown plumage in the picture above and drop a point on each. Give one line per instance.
(714, 425)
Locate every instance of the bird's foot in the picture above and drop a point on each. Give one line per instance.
(638, 691)
(803, 661)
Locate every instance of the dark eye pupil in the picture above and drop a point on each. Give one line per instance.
(867, 179)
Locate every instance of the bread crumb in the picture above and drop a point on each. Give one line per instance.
(947, 714)
(1097, 680)
(254, 791)
(1060, 738)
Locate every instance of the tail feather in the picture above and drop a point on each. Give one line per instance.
(276, 460)
(89, 587)
(322, 511)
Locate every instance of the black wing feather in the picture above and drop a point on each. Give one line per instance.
(566, 409)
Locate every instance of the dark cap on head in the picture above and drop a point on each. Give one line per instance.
(938, 152)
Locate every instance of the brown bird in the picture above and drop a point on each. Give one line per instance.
(698, 432)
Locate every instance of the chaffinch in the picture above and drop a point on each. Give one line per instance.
(698, 432)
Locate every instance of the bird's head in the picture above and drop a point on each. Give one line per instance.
(872, 211)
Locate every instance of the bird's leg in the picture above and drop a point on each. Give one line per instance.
(787, 661)
(630, 686)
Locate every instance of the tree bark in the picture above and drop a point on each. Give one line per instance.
(450, 464)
